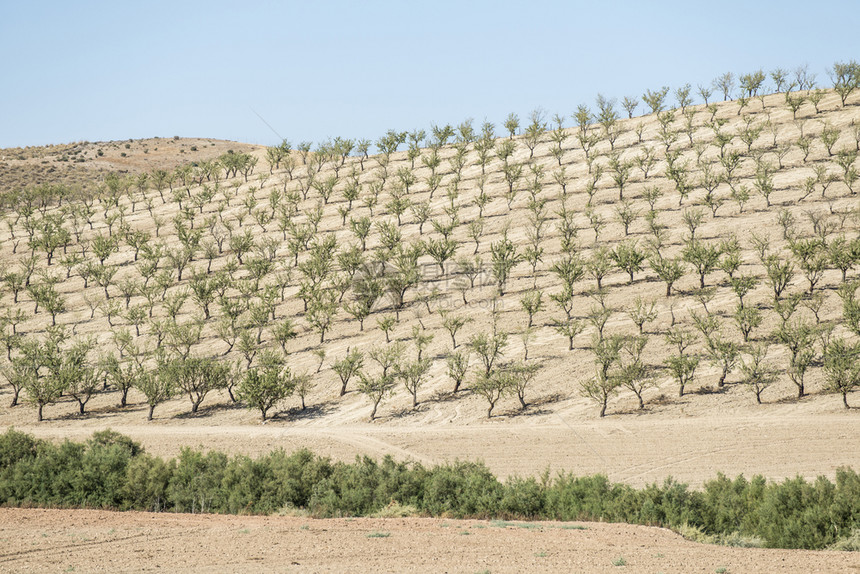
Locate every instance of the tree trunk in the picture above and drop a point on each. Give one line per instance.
(603, 409)
(82, 406)
(39, 413)
(123, 401)
(14, 397)
(456, 387)
(343, 389)
(844, 402)
(800, 390)
(151, 410)
(681, 390)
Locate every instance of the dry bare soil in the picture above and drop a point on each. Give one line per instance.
(97, 541)
(690, 438)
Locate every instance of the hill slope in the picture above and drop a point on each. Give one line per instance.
(263, 240)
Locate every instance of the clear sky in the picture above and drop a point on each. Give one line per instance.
(115, 70)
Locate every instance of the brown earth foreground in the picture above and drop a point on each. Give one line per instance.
(98, 541)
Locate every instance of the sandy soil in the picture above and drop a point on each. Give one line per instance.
(93, 541)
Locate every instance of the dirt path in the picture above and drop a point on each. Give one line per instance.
(97, 541)
(635, 451)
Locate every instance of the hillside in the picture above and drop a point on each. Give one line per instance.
(83, 165)
(221, 265)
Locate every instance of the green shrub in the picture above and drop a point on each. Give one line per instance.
(112, 471)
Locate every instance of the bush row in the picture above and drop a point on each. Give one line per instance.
(111, 471)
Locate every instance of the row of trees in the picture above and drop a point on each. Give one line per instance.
(240, 298)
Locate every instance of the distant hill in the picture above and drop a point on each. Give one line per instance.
(84, 164)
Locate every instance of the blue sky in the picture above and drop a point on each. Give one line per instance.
(313, 70)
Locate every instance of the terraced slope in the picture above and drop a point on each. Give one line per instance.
(278, 246)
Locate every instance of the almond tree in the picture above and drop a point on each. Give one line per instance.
(633, 373)
(322, 309)
(756, 373)
(79, 378)
(569, 270)
(535, 130)
(504, 259)
(682, 96)
(704, 257)
(656, 99)
(846, 78)
(747, 318)
(779, 273)
(608, 118)
(725, 83)
(489, 348)
(844, 254)
(705, 92)
(493, 386)
(453, 323)
(266, 384)
(194, 376)
(629, 104)
(780, 79)
(532, 303)
(412, 374)
(841, 367)
(362, 147)
(404, 273)
(348, 367)
(458, 365)
(512, 124)
(620, 173)
(642, 312)
(376, 389)
(522, 373)
(38, 362)
(669, 270)
(628, 258)
(683, 368)
(799, 338)
(605, 382)
(441, 250)
(568, 326)
(122, 375)
(157, 387)
(812, 257)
